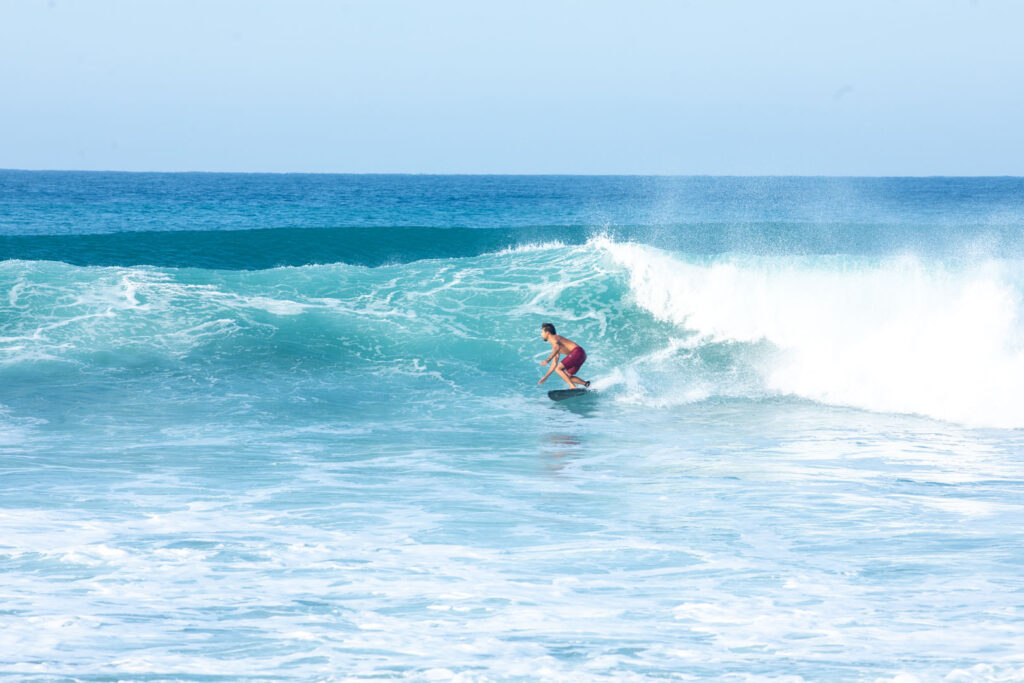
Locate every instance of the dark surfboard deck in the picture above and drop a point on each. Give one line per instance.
(562, 394)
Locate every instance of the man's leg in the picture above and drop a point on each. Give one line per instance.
(564, 375)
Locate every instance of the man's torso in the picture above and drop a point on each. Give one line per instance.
(565, 346)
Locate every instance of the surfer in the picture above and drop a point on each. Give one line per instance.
(574, 357)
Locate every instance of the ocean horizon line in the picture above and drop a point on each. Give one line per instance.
(522, 174)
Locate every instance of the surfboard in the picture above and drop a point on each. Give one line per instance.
(562, 394)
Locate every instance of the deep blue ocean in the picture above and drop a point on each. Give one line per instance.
(288, 427)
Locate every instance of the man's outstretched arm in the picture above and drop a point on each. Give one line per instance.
(552, 355)
(554, 364)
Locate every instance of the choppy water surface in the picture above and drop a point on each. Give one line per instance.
(803, 458)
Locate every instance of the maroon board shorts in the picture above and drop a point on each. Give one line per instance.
(574, 360)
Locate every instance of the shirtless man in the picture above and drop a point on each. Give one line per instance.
(574, 357)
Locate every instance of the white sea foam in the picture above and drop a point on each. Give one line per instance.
(532, 246)
(895, 335)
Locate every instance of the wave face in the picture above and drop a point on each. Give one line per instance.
(898, 334)
(275, 247)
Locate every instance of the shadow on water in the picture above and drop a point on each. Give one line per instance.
(560, 448)
(584, 406)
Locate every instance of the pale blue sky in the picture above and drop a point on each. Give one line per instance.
(866, 87)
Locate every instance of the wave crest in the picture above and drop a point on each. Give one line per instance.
(899, 334)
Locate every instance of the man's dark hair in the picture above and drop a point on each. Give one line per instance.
(548, 327)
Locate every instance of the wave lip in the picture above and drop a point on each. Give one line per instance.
(898, 334)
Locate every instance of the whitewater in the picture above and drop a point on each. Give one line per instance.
(289, 427)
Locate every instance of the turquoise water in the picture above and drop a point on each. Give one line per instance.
(288, 427)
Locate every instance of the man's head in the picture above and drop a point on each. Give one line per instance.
(546, 330)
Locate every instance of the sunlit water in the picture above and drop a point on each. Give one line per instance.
(797, 463)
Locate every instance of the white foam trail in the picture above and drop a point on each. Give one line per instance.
(898, 335)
